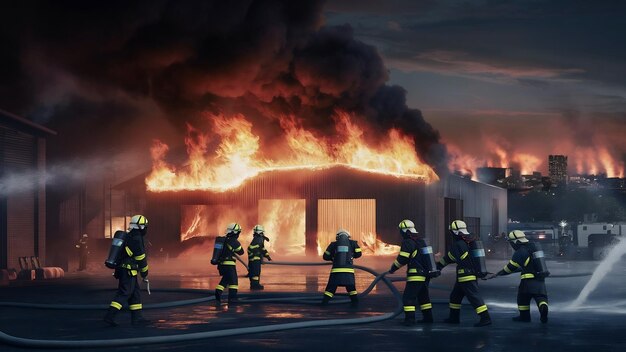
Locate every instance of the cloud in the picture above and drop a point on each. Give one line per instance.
(460, 63)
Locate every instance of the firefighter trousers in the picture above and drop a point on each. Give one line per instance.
(467, 289)
(127, 291)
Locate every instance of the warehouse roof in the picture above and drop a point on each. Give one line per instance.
(20, 122)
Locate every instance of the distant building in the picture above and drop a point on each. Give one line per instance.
(491, 175)
(557, 168)
(23, 199)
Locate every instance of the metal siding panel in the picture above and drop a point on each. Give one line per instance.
(18, 155)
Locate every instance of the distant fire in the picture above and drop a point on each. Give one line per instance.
(239, 158)
(583, 161)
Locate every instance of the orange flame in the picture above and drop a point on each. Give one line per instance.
(584, 160)
(238, 156)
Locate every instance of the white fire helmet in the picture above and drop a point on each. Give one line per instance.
(459, 227)
(138, 222)
(258, 229)
(233, 228)
(517, 236)
(407, 226)
(342, 232)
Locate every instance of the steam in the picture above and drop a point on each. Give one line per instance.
(64, 173)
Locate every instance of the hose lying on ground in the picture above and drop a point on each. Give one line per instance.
(36, 343)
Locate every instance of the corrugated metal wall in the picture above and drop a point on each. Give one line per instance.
(479, 201)
(19, 159)
(358, 216)
(396, 199)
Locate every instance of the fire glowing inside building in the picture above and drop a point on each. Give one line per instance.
(320, 184)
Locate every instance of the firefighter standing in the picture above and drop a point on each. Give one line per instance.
(256, 252)
(341, 253)
(532, 284)
(420, 267)
(83, 252)
(466, 284)
(227, 266)
(132, 261)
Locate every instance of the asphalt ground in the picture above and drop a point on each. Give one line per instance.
(598, 325)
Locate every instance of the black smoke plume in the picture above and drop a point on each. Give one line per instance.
(112, 75)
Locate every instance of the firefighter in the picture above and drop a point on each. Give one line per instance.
(466, 284)
(83, 252)
(420, 268)
(132, 261)
(227, 265)
(532, 284)
(341, 253)
(257, 251)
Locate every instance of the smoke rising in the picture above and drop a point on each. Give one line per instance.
(109, 77)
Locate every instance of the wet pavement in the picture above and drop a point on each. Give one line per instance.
(600, 325)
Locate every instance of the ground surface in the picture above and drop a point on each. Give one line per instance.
(601, 328)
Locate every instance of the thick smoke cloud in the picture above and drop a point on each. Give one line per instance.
(104, 74)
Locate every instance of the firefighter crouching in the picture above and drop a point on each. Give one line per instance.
(341, 253)
(224, 258)
(529, 260)
(256, 252)
(420, 268)
(128, 257)
(467, 266)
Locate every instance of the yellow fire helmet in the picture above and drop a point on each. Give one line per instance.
(138, 222)
(517, 236)
(258, 229)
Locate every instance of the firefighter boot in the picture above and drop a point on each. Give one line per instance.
(427, 317)
(354, 301)
(409, 319)
(524, 316)
(232, 297)
(543, 310)
(137, 318)
(255, 285)
(325, 300)
(218, 297)
(455, 317)
(485, 319)
(109, 318)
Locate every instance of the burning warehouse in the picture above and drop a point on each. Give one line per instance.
(350, 183)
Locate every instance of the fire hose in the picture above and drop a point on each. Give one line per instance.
(36, 343)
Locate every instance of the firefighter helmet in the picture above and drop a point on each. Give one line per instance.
(258, 230)
(459, 228)
(233, 229)
(517, 236)
(407, 226)
(342, 232)
(138, 222)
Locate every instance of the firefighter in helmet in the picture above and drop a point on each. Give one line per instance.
(133, 261)
(227, 265)
(341, 252)
(466, 284)
(417, 256)
(527, 260)
(256, 253)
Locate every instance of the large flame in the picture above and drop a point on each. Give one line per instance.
(239, 158)
(584, 160)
